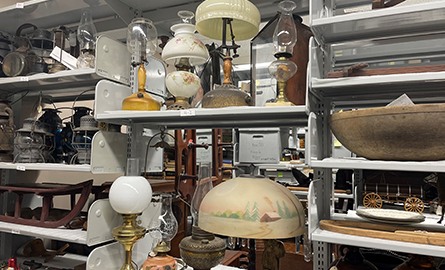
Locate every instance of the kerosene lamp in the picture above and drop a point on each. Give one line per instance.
(142, 39)
(129, 196)
(86, 35)
(284, 39)
(183, 51)
(82, 139)
(162, 229)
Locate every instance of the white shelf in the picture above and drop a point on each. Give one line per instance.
(362, 163)
(62, 234)
(381, 86)
(336, 195)
(63, 262)
(229, 117)
(280, 166)
(60, 81)
(395, 21)
(345, 239)
(45, 167)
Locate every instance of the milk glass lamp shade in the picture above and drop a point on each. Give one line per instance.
(184, 44)
(130, 194)
(142, 37)
(182, 83)
(246, 18)
(252, 207)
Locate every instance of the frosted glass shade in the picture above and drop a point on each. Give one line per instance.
(252, 207)
(182, 83)
(185, 45)
(130, 194)
(246, 18)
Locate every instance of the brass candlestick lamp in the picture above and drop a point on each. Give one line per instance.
(129, 196)
(284, 39)
(141, 41)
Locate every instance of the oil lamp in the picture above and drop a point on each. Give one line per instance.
(30, 142)
(162, 229)
(184, 51)
(202, 250)
(142, 40)
(82, 138)
(284, 39)
(86, 35)
(129, 196)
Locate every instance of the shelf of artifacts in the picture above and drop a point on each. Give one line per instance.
(365, 164)
(67, 79)
(66, 261)
(379, 87)
(45, 167)
(229, 117)
(101, 220)
(340, 195)
(386, 22)
(419, 230)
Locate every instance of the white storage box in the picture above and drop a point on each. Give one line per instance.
(202, 154)
(259, 145)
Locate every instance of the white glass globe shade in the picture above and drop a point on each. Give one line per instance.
(182, 83)
(185, 45)
(130, 194)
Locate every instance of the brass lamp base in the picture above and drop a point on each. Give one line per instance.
(202, 250)
(282, 99)
(128, 234)
(181, 103)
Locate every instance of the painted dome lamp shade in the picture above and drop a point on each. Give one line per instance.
(253, 207)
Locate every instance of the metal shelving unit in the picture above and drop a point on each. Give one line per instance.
(45, 167)
(230, 117)
(386, 37)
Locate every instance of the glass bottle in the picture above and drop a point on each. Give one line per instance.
(285, 34)
(86, 35)
(203, 187)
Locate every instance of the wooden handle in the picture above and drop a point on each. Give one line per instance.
(227, 68)
(141, 78)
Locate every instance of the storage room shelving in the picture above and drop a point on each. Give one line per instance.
(359, 35)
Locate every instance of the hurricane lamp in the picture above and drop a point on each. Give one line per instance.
(86, 35)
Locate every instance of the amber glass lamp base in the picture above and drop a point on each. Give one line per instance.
(141, 102)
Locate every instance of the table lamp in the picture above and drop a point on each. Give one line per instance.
(142, 38)
(220, 20)
(253, 207)
(284, 39)
(129, 196)
(183, 51)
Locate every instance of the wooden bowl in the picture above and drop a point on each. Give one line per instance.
(415, 132)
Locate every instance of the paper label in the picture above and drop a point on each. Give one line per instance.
(20, 5)
(15, 231)
(187, 113)
(21, 168)
(24, 79)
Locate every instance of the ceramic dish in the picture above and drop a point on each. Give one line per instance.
(390, 216)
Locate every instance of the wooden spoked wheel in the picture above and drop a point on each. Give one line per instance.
(413, 204)
(372, 200)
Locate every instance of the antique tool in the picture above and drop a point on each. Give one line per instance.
(383, 231)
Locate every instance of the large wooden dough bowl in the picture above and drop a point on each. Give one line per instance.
(415, 132)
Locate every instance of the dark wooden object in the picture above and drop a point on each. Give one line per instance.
(185, 156)
(47, 191)
(291, 259)
(388, 71)
(296, 86)
(376, 4)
